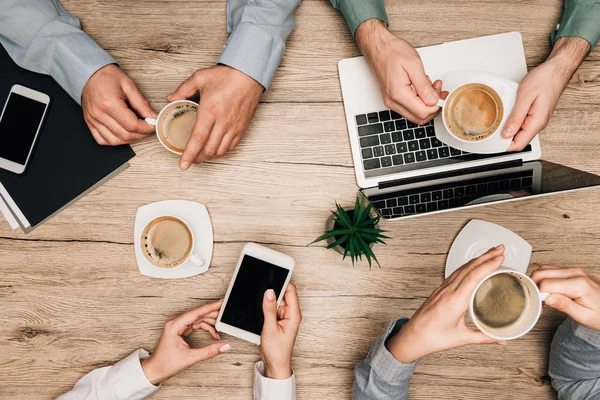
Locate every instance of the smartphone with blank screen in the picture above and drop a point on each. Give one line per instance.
(258, 269)
(20, 123)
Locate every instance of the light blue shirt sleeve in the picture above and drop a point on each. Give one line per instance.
(258, 32)
(575, 361)
(41, 36)
(380, 376)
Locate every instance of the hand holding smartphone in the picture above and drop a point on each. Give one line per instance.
(20, 123)
(258, 269)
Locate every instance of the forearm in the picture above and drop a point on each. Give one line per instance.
(258, 35)
(43, 37)
(575, 361)
(381, 376)
(372, 37)
(567, 55)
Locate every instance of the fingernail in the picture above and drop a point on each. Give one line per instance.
(270, 295)
(184, 165)
(224, 348)
(508, 131)
(550, 301)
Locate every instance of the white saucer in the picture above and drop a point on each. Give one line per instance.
(197, 218)
(507, 90)
(479, 236)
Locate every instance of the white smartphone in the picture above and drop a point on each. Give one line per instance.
(258, 269)
(20, 124)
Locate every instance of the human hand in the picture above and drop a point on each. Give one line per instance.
(228, 99)
(540, 90)
(397, 66)
(105, 99)
(573, 292)
(279, 332)
(173, 354)
(439, 324)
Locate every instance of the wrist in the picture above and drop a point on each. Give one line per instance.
(151, 370)
(372, 37)
(405, 345)
(277, 372)
(567, 54)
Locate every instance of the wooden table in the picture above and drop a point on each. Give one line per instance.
(71, 296)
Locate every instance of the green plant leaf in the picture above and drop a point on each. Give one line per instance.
(357, 211)
(365, 249)
(372, 238)
(339, 241)
(342, 215)
(366, 223)
(340, 220)
(372, 254)
(370, 230)
(329, 234)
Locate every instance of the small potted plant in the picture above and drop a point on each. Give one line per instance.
(353, 231)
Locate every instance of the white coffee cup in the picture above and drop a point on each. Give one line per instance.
(500, 104)
(194, 256)
(529, 317)
(163, 119)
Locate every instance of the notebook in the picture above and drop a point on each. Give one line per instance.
(66, 163)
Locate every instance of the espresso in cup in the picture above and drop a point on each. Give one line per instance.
(175, 128)
(500, 301)
(167, 242)
(473, 112)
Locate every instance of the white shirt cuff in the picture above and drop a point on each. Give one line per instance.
(128, 378)
(272, 389)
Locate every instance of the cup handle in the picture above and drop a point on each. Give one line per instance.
(150, 121)
(544, 296)
(440, 103)
(196, 260)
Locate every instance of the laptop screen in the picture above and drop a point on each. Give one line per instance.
(477, 187)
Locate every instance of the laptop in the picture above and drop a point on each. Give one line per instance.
(405, 171)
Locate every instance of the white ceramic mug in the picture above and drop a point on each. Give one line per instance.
(527, 320)
(163, 117)
(194, 257)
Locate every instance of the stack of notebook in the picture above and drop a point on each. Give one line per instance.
(66, 163)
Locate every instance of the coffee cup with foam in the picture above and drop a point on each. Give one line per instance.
(475, 111)
(174, 124)
(506, 304)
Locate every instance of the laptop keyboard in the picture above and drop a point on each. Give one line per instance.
(387, 140)
(450, 195)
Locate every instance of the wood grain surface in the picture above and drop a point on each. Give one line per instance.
(71, 296)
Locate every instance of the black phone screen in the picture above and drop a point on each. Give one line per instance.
(18, 126)
(244, 306)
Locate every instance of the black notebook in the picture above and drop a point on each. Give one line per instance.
(66, 162)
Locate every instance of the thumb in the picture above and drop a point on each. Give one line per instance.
(422, 85)
(208, 352)
(565, 304)
(138, 101)
(270, 309)
(518, 115)
(189, 87)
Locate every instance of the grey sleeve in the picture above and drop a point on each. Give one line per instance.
(380, 376)
(575, 361)
(41, 36)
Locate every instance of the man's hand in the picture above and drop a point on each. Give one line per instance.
(173, 354)
(279, 332)
(398, 68)
(228, 99)
(106, 98)
(439, 324)
(540, 90)
(573, 292)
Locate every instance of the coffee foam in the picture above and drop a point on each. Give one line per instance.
(166, 242)
(473, 112)
(502, 303)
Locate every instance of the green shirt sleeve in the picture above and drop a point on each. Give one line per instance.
(358, 11)
(582, 19)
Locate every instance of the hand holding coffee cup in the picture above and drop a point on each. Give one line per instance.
(439, 324)
(574, 292)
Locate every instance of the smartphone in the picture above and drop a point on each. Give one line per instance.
(258, 269)
(20, 123)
